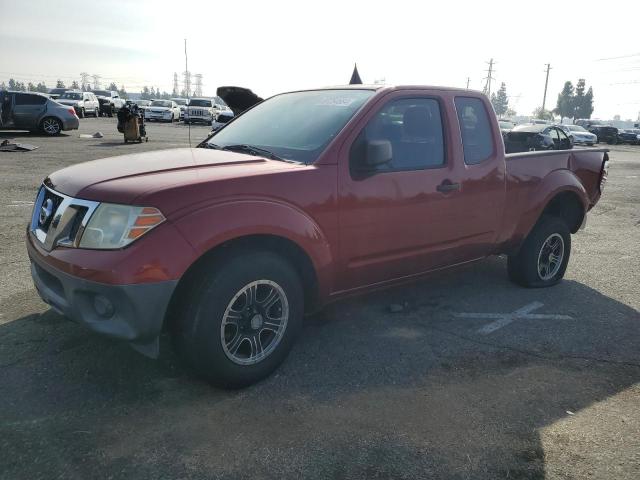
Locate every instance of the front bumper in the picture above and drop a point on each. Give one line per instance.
(157, 116)
(134, 313)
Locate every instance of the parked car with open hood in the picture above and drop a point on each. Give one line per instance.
(530, 137)
(35, 112)
(162, 111)
(85, 103)
(308, 197)
(579, 135)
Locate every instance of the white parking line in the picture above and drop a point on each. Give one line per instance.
(504, 319)
(20, 203)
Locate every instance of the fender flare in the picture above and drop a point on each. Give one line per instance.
(555, 183)
(213, 225)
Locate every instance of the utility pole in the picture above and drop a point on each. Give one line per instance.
(489, 78)
(468, 80)
(187, 73)
(546, 83)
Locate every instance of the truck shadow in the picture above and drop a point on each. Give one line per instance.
(365, 393)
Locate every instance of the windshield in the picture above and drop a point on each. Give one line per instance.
(506, 125)
(71, 96)
(199, 103)
(161, 103)
(180, 101)
(142, 103)
(576, 128)
(295, 126)
(102, 93)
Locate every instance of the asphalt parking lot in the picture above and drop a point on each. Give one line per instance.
(472, 378)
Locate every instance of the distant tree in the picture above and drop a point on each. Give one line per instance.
(585, 108)
(183, 93)
(113, 86)
(3, 86)
(12, 84)
(152, 92)
(542, 114)
(511, 112)
(500, 101)
(42, 88)
(166, 95)
(60, 84)
(85, 88)
(31, 87)
(145, 94)
(74, 85)
(566, 101)
(122, 92)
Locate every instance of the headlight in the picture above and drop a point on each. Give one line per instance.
(115, 226)
(638, 137)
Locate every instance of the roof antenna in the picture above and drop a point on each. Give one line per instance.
(186, 72)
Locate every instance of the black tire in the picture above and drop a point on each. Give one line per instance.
(51, 126)
(110, 111)
(81, 114)
(524, 269)
(198, 326)
(96, 112)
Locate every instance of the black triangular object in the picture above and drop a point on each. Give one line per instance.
(355, 76)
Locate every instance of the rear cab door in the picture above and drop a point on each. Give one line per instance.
(435, 204)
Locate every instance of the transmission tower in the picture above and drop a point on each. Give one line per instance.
(85, 80)
(96, 81)
(175, 85)
(187, 82)
(197, 91)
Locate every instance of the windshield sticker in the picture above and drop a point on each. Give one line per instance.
(335, 102)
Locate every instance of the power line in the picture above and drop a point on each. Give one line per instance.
(617, 58)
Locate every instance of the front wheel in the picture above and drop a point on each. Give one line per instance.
(81, 113)
(544, 255)
(240, 322)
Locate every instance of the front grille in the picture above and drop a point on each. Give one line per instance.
(197, 113)
(58, 220)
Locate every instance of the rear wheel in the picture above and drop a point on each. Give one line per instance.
(544, 255)
(241, 321)
(81, 113)
(96, 112)
(51, 126)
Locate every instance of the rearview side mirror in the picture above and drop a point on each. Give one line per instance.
(378, 152)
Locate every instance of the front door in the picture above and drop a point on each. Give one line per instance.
(28, 109)
(427, 208)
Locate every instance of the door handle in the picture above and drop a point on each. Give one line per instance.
(448, 186)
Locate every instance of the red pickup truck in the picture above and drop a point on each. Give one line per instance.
(305, 198)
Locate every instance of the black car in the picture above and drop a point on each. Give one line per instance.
(524, 138)
(629, 135)
(605, 133)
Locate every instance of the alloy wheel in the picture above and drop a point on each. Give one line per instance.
(550, 256)
(254, 322)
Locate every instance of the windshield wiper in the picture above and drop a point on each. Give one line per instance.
(255, 151)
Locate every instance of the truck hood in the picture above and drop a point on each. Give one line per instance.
(130, 179)
(238, 99)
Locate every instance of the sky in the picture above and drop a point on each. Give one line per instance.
(276, 46)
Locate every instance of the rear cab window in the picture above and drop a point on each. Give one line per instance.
(475, 130)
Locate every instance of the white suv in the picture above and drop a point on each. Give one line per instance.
(204, 110)
(84, 103)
